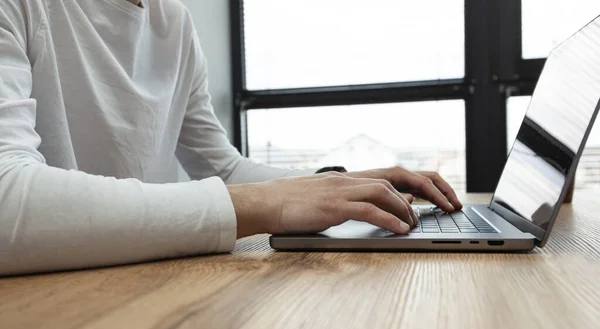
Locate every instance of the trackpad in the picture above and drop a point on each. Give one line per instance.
(354, 229)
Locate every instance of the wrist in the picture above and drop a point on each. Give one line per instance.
(251, 209)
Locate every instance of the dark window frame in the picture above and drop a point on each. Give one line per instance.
(494, 71)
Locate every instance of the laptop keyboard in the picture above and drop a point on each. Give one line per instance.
(456, 222)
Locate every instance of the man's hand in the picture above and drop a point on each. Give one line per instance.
(423, 184)
(316, 203)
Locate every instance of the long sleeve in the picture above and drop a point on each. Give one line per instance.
(54, 219)
(204, 149)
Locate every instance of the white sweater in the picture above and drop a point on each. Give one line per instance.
(95, 98)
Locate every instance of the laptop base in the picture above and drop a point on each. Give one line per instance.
(359, 236)
(319, 243)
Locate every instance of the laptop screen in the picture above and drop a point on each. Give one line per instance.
(554, 130)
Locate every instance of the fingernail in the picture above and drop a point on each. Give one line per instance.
(450, 205)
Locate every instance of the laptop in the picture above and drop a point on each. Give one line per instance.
(539, 168)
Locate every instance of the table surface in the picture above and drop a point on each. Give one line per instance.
(255, 287)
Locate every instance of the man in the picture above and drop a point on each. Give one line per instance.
(95, 98)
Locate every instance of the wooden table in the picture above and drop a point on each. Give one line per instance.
(255, 287)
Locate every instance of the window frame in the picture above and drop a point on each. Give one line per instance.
(492, 32)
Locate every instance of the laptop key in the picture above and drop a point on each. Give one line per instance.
(469, 230)
(450, 231)
(430, 230)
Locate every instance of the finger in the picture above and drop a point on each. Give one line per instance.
(423, 186)
(410, 199)
(405, 197)
(369, 213)
(385, 196)
(444, 187)
(345, 181)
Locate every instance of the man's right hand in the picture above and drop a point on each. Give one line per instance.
(315, 203)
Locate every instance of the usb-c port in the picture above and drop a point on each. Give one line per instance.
(496, 242)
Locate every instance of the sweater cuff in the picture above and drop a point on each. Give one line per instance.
(226, 213)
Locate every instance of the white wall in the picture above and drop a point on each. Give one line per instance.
(211, 18)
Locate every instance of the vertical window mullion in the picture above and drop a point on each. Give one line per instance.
(489, 58)
(238, 70)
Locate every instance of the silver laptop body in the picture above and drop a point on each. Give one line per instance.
(534, 181)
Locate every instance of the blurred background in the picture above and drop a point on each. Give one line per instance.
(436, 85)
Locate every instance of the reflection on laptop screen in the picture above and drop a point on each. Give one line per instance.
(553, 131)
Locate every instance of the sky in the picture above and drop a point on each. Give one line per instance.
(546, 23)
(402, 125)
(312, 43)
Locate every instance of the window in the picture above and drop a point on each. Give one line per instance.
(314, 43)
(364, 137)
(588, 172)
(300, 67)
(547, 23)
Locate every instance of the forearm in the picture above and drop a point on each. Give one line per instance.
(243, 170)
(52, 219)
(214, 156)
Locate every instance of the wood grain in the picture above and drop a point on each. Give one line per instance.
(255, 287)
